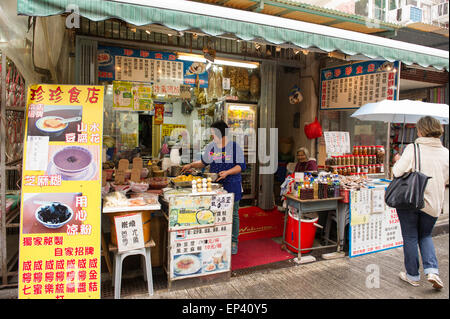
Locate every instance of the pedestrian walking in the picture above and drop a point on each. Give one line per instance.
(417, 225)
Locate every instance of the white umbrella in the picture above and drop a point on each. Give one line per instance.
(402, 111)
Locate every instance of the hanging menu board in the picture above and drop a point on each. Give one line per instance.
(60, 221)
(353, 85)
(159, 68)
(200, 235)
(373, 226)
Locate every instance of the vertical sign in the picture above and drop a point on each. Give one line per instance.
(353, 85)
(60, 219)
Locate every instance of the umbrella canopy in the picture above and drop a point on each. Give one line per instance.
(402, 111)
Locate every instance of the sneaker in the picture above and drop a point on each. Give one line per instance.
(234, 248)
(436, 281)
(403, 277)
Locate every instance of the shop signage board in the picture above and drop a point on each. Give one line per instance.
(130, 96)
(126, 64)
(60, 221)
(353, 85)
(167, 129)
(337, 143)
(375, 231)
(200, 241)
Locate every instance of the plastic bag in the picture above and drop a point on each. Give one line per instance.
(313, 130)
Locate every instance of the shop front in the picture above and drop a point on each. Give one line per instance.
(165, 86)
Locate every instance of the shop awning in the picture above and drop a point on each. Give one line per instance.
(245, 25)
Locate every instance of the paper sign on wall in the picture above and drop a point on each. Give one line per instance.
(337, 143)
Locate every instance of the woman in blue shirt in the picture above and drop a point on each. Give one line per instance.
(225, 158)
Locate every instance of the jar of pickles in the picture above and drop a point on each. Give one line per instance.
(364, 150)
(380, 154)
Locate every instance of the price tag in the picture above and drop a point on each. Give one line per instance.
(226, 83)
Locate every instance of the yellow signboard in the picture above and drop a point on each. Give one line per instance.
(60, 224)
(168, 128)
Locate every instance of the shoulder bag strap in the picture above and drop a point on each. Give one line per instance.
(418, 156)
(415, 160)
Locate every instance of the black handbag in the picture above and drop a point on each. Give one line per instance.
(407, 192)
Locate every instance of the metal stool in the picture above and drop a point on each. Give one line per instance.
(118, 260)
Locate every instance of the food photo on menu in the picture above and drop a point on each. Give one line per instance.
(54, 121)
(73, 163)
(49, 212)
(187, 265)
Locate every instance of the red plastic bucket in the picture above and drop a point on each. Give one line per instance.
(308, 232)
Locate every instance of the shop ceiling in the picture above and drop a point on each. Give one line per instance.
(244, 25)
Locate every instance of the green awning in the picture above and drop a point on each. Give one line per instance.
(99, 10)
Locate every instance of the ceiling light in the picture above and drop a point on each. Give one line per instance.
(305, 52)
(199, 58)
(148, 31)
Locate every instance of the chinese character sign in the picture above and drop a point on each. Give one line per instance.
(351, 86)
(129, 232)
(60, 220)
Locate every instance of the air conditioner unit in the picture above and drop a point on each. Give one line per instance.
(405, 15)
(439, 13)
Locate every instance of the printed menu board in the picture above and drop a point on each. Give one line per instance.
(372, 231)
(200, 235)
(60, 221)
(353, 85)
(162, 69)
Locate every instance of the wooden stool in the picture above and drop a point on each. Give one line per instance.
(118, 260)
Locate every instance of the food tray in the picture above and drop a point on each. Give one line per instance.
(182, 184)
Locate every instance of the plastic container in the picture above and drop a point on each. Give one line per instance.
(307, 232)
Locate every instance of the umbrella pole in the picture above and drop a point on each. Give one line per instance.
(403, 134)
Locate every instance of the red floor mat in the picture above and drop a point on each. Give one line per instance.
(257, 252)
(255, 223)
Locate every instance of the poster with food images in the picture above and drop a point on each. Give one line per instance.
(60, 221)
(200, 241)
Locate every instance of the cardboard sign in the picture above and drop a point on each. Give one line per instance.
(103, 178)
(138, 163)
(119, 177)
(129, 232)
(135, 175)
(124, 164)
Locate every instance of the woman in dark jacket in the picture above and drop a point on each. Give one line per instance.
(304, 163)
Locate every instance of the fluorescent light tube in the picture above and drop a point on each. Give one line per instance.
(198, 58)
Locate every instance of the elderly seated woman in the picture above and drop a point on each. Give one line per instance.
(304, 163)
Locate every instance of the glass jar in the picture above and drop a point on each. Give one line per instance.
(355, 150)
(352, 160)
(353, 168)
(365, 169)
(344, 170)
(356, 159)
(372, 150)
(378, 168)
(364, 150)
(365, 160)
(380, 154)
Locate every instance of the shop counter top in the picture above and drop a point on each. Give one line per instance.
(120, 209)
